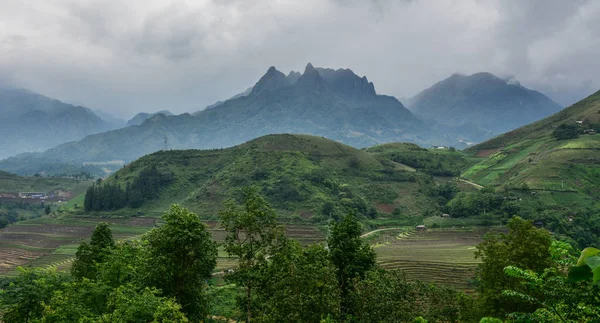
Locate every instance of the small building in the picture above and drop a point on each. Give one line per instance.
(33, 195)
(539, 223)
(589, 131)
(445, 215)
(421, 227)
(579, 121)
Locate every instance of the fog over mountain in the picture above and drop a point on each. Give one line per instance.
(126, 57)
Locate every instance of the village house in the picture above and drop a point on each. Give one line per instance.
(421, 227)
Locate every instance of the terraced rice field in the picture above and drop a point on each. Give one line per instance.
(47, 242)
(440, 256)
(445, 257)
(52, 243)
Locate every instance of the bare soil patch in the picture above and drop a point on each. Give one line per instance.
(486, 152)
(13, 257)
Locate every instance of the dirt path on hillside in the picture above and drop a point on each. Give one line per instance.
(471, 183)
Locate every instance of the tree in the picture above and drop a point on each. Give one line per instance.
(297, 285)
(526, 247)
(387, 296)
(351, 256)
(560, 298)
(181, 257)
(566, 131)
(251, 232)
(23, 299)
(89, 255)
(47, 210)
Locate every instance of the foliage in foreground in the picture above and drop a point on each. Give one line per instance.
(162, 278)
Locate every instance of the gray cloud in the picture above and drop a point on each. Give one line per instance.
(128, 56)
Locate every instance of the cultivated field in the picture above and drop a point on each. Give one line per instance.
(47, 242)
(443, 256)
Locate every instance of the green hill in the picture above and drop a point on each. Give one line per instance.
(436, 162)
(563, 173)
(306, 178)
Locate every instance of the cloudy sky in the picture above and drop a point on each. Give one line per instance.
(126, 56)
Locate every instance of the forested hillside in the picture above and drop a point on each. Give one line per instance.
(306, 178)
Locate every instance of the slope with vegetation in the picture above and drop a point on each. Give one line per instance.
(554, 170)
(304, 177)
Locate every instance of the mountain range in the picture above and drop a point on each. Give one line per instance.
(33, 122)
(480, 106)
(337, 104)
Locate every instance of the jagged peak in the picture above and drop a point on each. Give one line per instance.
(310, 69)
(311, 78)
(271, 80)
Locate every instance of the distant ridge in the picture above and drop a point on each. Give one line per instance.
(481, 105)
(32, 122)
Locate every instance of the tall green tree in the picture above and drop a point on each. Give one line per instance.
(351, 256)
(181, 257)
(387, 296)
(23, 300)
(251, 233)
(89, 255)
(525, 247)
(297, 285)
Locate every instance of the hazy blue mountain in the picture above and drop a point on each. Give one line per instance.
(139, 118)
(480, 106)
(336, 104)
(33, 122)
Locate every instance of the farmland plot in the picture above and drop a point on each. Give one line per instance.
(445, 257)
(46, 242)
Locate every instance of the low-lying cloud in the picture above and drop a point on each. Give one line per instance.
(129, 56)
